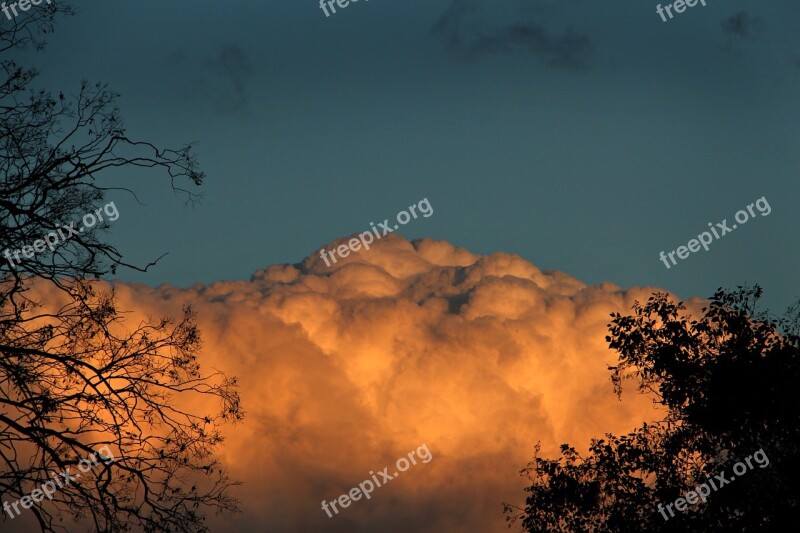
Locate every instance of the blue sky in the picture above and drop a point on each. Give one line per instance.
(585, 136)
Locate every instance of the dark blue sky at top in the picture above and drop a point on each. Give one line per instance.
(584, 135)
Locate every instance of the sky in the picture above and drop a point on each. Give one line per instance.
(560, 145)
(586, 136)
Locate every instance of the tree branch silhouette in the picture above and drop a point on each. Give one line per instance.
(74, 375)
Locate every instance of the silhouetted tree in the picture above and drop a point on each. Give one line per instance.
(728, 385)
(75, 378)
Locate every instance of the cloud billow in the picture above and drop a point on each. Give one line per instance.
(345, 368)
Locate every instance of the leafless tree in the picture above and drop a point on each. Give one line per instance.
(74, 375)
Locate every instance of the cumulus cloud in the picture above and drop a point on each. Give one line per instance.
(346, 368)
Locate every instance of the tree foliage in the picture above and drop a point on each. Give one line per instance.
(75, 375)
(727, 383)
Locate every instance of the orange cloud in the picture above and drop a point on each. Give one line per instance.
(344, 369)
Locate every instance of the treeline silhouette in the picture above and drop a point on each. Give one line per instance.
(728, 383)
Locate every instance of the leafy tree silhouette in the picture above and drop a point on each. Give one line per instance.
(728, 384)
(75, 377)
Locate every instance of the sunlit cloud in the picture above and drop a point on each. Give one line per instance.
(345, 368)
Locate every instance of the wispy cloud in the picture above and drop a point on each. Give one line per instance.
(742, 25)
(449, 24)
(233, 66)
(567, 49)
(223, 82)
(460, 29)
